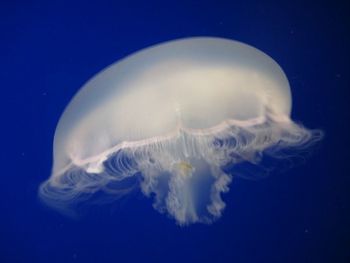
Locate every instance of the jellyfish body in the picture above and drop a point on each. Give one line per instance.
(172, 116)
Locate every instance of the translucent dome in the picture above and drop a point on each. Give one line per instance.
(194, 83)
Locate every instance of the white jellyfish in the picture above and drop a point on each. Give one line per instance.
(169, 118)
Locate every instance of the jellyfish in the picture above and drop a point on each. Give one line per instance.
(167, 120)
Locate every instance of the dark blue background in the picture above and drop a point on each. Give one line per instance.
(48, 49)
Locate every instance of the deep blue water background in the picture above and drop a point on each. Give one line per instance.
(48, 49)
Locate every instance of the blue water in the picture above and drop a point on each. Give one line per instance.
(48, 49)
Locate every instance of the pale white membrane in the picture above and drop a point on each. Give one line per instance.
(168, 119)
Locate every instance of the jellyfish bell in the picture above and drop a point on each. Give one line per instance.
(173, 115)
